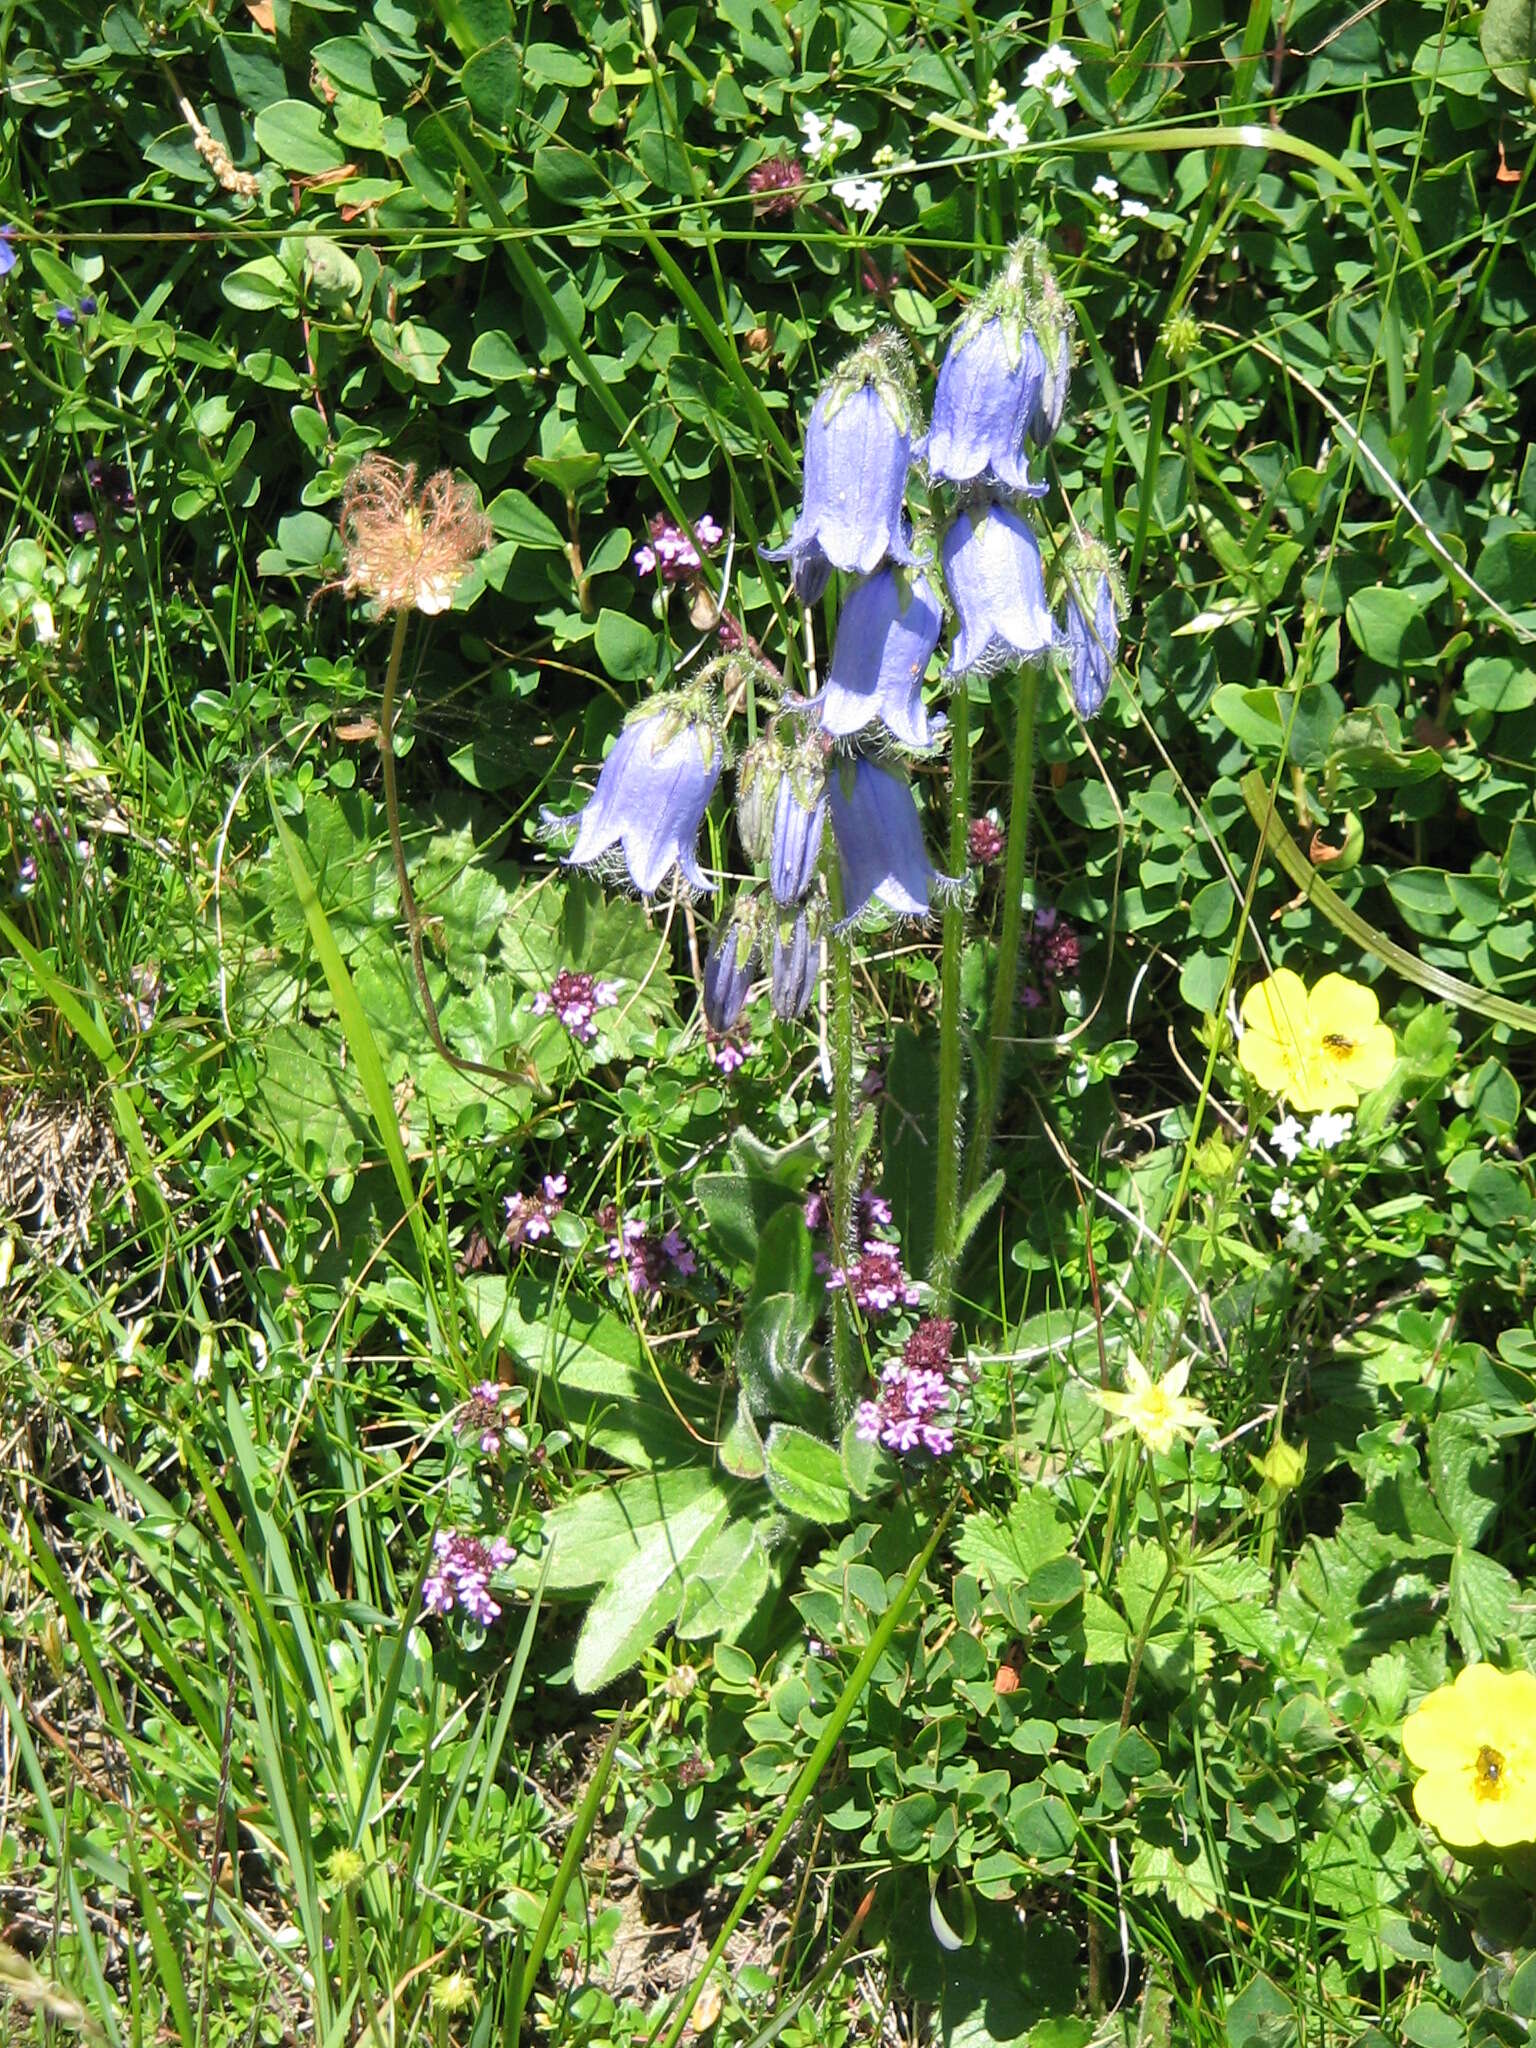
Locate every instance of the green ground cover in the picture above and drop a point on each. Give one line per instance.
(998, 1507)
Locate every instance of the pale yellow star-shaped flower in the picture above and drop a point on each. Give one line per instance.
(1156, 1411)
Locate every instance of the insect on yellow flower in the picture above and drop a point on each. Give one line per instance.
(1157, 1411)
(1475, 1742)
(1318, 1048)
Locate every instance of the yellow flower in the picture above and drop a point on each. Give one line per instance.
(1475, 1742)
(1155, 1409)
(1319, 1048)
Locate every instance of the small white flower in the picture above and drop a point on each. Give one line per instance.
(1056, 62)
(1328, 1128)
(1062, 94)
(1286, 1138)
(1134, 209)
(44, 631)
(1303, 1239)
(1106, 188)
(859, 195)
(1006, 127)
(1283, 1202)
(823, 138)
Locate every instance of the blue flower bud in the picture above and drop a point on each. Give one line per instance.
(879, 840)
(885, 640)
(757, 794)
(652, 793)
(992, 565)
(7, 253)
(729, 968)
(799, 820)
(1087, 580)
(858, 449)
(796, 965)
(988, 396)
(1045, 413)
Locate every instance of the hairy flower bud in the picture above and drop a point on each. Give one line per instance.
(799, 819)
(730, 966)
(796, 964)
(1086, 579)
(757, 792)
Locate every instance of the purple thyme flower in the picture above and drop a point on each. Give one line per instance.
(461, 1567)
(531, 1217)
(575, 999)
(901, 1417)
(482, 1416)
(885, 638)
(858, 448)
(729, 1049)
(985, 842)
(652, 793)
(876, 1280)
(992, 565)
(654, 1260)
(776, 185)
(879, 840)
(671, 548)
(871, 1211)
(931, 1344)
(1055, 954)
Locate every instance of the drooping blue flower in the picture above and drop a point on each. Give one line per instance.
(885, 640)
(988, 397)
(879, 837)
(992, 566)
(1050, 402)
(7, 253)
(858, 449)
(652, 793)
(729, 969)
(1092, 614)
(799, 820)
(796, 965)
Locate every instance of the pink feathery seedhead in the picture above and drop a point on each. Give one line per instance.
(776, 185)
(576, 999)
(408, 549)
(875, 1281)
(461, 1569)
(902, 1415)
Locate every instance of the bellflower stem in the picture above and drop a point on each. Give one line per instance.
(989, 1075)
(951, 1025)
(840, 946)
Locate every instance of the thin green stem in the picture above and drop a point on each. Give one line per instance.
(951, 1023)
(989, 1069)
(840, 946)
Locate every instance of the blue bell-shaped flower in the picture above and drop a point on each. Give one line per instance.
(729, 968)
(858, 449)
(885, 639)
(652, 792)
(799, 821)
(879, 837)
(988, 396)
(992, 566)
(1087, 580)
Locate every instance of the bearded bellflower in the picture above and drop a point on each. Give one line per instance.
(879, 838)
(885, 638)
(796, 965)
(1004, 378)
(1087, 582)
(729, 969)
(652, 792)
(992, 565)
(799, 820)
(858, 449)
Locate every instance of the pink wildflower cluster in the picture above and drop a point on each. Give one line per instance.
(654, 1258)
(530, 1217)
(985, 842)
(1055, 954)
(777, 185)
(915, 1389)
(483, 1417)
(671, 550)
(871, 1212)
(876, 1281)
(729, 1049)
(461, 1569)
(576, 999)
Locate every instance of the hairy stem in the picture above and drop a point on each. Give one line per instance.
(989, 1074)
(947, 1133)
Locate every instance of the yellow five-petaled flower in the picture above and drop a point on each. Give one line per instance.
(1475, 1742)
(1318, 1048)
(1158, 1411)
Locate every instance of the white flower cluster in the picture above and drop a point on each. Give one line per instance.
(1109, 189)
(1050, 73)
(1327, 1130)
(824, 142)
